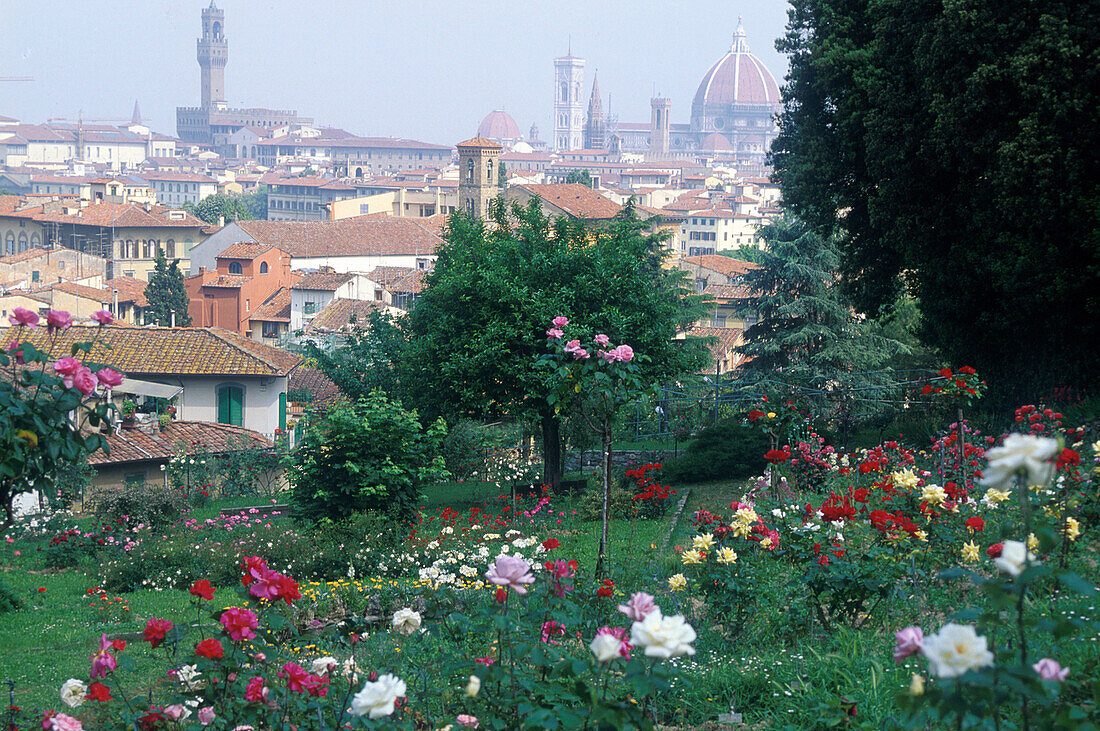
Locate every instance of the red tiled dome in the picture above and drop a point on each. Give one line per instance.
(738, 78)
(715, 142)
(498, 125)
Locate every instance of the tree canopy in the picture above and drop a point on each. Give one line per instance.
(227, 207)
(368, 360)
(482, 319)
(166, 294)
(948, 146)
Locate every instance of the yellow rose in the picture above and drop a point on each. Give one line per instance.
(921, 536)
(994, 496)
(747, 516)
(771, 414)
(916, 685)
(933, 494)
(704, 542)
(1032, 542)
(740, 529)
(1073, 528)
(692, 557)
(27, 436)
(677, 582)
(971, 553)
(904, 480)
(726, 555)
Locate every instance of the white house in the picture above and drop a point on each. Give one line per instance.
(314, 292)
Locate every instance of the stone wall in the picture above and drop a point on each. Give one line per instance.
(592, 459)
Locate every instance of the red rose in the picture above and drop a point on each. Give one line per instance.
(755, 414)
(119, 645)
(209, 648)
(551, 543)
(975, 524)
(777, 456)
(98, 692)
(994, 551)
(202, 589)
(946, 373)
(1068, 458)
(155, 630)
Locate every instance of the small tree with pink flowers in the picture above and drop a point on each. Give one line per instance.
(592, 380)
(38, 402)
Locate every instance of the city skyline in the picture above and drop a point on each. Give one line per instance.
(437, 86)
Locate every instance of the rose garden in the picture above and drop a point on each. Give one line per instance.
(903, 584)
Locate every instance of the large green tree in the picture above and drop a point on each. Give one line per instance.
(368, 360)
(166, 294)
(482, 318)
(223, 206)
(806, 330)
(949, 146)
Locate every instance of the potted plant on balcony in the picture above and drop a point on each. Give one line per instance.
(164, 420)
(129, 408)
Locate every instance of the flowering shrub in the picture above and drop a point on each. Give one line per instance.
(36, 400)
(651, 498)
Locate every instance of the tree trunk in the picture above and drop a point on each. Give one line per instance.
(606, 512)
(551, 449)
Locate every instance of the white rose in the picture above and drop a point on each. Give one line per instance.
(73, 692)
(473, 687)
(1021, 453)
(321, 665)
(605, 647)
(406, 621)
(663, 636)
(376, 699)
(955, 649)
(1014, 555)
(189, 676)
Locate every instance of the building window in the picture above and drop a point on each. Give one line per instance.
(310, 308)
(235, 268)
(263, 267)
(231, 405)
(135, 480)
(271, 329)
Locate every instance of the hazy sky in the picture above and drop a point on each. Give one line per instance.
(425, 69)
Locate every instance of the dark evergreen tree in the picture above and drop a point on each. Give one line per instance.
(949, 147)
(166, 294)
(806, 328)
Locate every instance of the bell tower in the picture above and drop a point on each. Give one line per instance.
(477, 175)
(213, 53)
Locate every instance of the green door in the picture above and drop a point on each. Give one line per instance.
(231, 405)
(282, 412)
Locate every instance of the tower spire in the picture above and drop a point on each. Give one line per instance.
(136, 117)
(739, 43)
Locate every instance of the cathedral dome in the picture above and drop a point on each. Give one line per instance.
(715, 142)
(498, 125)
(737, 78)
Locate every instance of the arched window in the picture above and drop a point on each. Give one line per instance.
(470, 170)
(231, 405)
(23, 241)
(35, 241)
(9, 244)
(263, 267)
(170, 249)
(488, 171)
(235, 268)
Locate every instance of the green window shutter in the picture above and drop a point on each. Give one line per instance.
(282, 412)
(231, 406)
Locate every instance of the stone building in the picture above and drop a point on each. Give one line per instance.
(478, 184)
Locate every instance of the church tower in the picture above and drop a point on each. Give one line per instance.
(477, 175)
(596, 128)
(568, 107)
(213, 53)
(659, 128)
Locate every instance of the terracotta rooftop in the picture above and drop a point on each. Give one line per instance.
(337, 316)
(24, 256)
(137, 445)
(275, 309)
(95, 294)
(576, 200)
(184, 351)
(244, 250)
(390, 236)
(727, 339)
(722, 264)
(480, 142)
(728, 291)
(326, 281)
(123, 215)
(398, 279)
(320, 388)
(130, 289)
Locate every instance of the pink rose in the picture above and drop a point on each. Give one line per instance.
(624, 353)
(580, 354)
(85, 381)
(239, 623)
(255, 692)
(464, 719)
(910, 641)
(510, 572)
(15, 350)
(554, 333)
(609, 356)
(573, 346)
(103, 317)
(109, 377)
(560, 321)
(175, 712)
(67, 366)
(22, 316)
(601, 339)
(1050, 670)
(59, 320)
(620, 634)
(62, 722)
(206, 714)
(550, 630)
(103, 662)
(640, 606)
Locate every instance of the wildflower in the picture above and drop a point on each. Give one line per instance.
(956, 649)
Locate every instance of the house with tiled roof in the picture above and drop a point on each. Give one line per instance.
(720, 279)
(571, 200)
(348, 245)
(246, 276)
(225, 378)
(177, 188)
(271, 320)
(397, 286)
(128, 301)
(340, 316)
(138, 456)
(36, 267)
(315, 290)
(722, 343)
